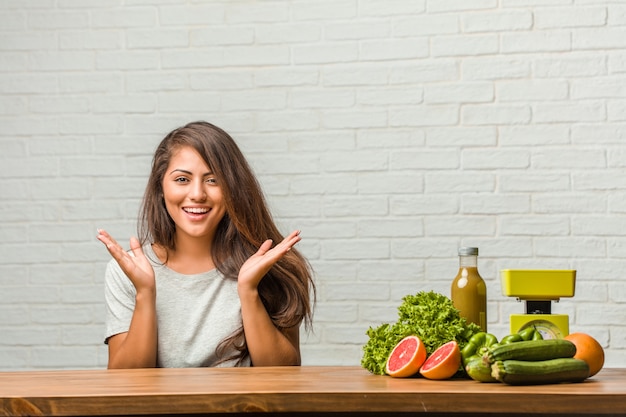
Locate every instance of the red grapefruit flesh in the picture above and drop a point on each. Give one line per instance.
(443, 363)
(406, 358)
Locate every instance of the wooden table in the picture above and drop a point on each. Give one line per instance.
(294, 391)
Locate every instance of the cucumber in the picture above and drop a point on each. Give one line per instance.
(551, 371)
(531, 350)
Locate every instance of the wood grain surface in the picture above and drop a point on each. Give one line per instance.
(290, 390)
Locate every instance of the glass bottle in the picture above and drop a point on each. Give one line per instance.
(469, 292)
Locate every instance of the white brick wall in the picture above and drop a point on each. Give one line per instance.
(390, 132)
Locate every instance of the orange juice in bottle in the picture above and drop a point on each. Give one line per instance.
(469, 292)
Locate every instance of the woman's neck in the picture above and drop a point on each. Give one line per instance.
(191, 256)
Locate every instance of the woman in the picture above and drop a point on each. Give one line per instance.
(203, 284)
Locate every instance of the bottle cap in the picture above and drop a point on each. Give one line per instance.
(467, 251)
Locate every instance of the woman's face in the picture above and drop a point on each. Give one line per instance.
(193, 197)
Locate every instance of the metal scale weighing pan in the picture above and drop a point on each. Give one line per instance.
(538, 288)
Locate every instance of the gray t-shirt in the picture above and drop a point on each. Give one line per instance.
(194, 313)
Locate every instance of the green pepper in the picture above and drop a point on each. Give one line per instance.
(512, 338)
(472, 355)
(527, 333)
(477, 346)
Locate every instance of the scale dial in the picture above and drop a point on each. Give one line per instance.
(547, 329)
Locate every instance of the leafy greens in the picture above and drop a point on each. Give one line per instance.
(428, 315)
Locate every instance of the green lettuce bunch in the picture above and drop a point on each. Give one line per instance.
(428, 315)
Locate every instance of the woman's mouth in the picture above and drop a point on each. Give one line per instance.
(196, 210)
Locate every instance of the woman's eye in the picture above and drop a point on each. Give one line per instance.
(180, 179)
(211, 181)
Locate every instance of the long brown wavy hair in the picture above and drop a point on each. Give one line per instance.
(288, 290)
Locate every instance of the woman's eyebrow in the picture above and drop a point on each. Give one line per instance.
(184, 171)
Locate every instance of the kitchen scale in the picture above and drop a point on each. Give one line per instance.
(538, 288)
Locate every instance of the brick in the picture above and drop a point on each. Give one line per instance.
(59, 19)
(351, 76)
(213, 36)
(440, 69)
(346, 206)
(598, 133)
(62, 61)
(583, 158)
(129, 103)
(464, 45)
(56, 104)
(569, 17)
(436, 115)
(573, 65)
(393, 138)
(418, 160)
(606, 87)
(28, 84)
(583, 111)
(391, 7)
(174, 102)
(256, 100)
(454, 226)
(488, 114)
(534, 182)
(569, 203)
(547, 134)
(467, 136)
(494, 68)
(13, 105)
(495, 204)
(326, 10)
(598, 38)
(424, 25)
(256, 13)
(13, 61)
(495, 159)
(412, 205)
(90, 40)
(462, 92)
(532, 91)
(157, 38)
(265, 77)
(571, 247)
(377, 50)
(345, 119)
(615, 110)
(534, 226)
(502, 21)
(339, 31)
(90, 83)
(325, 53)
(127, 17)
(158, 82)
(461, 181)
(127, 60)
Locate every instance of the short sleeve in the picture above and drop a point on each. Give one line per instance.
(119, 297)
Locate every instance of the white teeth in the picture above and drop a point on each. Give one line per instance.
(195, 210)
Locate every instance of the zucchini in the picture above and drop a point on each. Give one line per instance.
(551, 371)
(531, 350)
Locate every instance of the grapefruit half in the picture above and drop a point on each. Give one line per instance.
(443, 363)
(406, 358)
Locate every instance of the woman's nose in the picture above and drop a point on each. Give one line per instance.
(198, 193)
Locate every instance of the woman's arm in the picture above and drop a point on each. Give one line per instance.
(267, 345)
(136, 348)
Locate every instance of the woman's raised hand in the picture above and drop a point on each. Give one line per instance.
(134, 263)
(255, 268)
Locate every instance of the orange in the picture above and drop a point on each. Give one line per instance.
(589, 350)
(406, 357)
(443, 363)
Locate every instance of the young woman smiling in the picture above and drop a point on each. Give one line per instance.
(204, 284)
